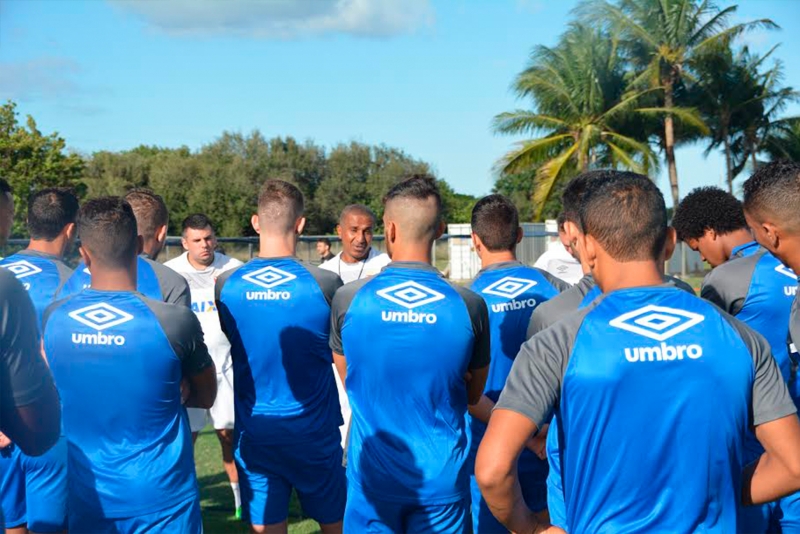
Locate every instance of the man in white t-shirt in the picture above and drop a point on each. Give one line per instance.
(558, 259)
(357, 260)
(200, 265)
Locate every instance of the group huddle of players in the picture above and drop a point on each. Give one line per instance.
(623, 403)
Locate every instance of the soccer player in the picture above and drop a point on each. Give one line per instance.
(511, 291)
(324, 249)
(35, 488)
(200, 265)
(358, 259)
(153, 279)
(410, 386)
(123, 363)
(647, 365)
(558, 259)
(276, 312)
(751, 284)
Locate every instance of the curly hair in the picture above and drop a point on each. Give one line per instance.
(708, 208)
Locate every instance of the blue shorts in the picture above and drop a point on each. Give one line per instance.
(365, 514)
(267, 474)
(534, 491)
(34, 489)
(182, 518)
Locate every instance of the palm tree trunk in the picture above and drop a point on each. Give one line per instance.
(669, 141)
(728, 162)
(753, 159)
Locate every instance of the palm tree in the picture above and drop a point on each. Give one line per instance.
(663, 38)
(578, 88)
(783, 142)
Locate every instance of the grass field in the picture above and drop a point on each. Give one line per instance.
(216, 499)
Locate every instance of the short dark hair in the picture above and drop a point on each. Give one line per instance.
(324, 241)
(150, 210)
(281, 203)
(416, 186)
(356, 208)
(49, 211)
(196, 221)
(775, 188)
(708, 208)
(107, 228)
(495, 220)
(627, 216)
(5, 187)
(575, 190)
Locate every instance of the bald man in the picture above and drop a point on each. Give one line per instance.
(357, 260)
(408, 447)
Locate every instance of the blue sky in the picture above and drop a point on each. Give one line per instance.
(424, 76)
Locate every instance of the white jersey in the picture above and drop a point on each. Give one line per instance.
(350, 272)
(201, 285)
(560, 263)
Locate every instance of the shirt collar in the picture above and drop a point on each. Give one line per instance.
(744, 250)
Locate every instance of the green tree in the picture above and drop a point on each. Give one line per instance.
(30, 161)
(581, 112)
(783, 142)
(663, 40)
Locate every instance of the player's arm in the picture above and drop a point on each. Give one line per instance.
(777, 472)
(30, 410)
(339, 305)
(481, 348)
(341, 366)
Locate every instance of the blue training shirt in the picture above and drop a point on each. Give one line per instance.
(512, 292)
(42, 275)
(276, 314)
(665, 363)
(153, 280)
(409, 336)
(118, 359)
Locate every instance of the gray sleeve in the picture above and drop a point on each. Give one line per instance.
(680, 284)
(794, 322)
(727, 285)
(174, 288)
(24, 376)
(185, 335)
(558, 307)
(533, 387)
(556, 282)
(339, 306)
(328, 281)
(771, 398)
(479, 315)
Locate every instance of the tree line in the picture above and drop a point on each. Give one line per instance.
(221, 179)
(633, 79)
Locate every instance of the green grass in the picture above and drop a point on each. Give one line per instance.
(216, 498)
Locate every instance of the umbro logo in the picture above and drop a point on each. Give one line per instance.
(659, 323)
(509, 287)
(99, 317)
(268, 277)
(784, 270)
(409, 295)
(22, 268)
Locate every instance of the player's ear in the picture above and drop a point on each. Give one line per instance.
(161, 236)
(520, 234)
(773, 234)
(70, 231)
(588, 249)
(254, 223)
(477, 243)
(300, 225)
(184, 243)
(339, 230)
(572, 231)
(391, 231)
(440, 229)
(669, 244)
(85, 257)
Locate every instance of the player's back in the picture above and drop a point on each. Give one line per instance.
(409, 337)
(668, 365)
(276, 314)
(41, 274)
(117, 361)
(153, 280)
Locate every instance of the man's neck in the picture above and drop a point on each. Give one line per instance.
(54, 248)
(491, 258)
(113, 280)
(200, 266)
(630, 274)
(277, 246)
(348, 258)
(734, 239)
(419, 252)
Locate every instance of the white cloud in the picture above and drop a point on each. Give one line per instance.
(282, 19)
